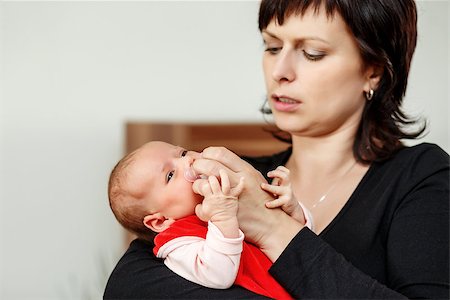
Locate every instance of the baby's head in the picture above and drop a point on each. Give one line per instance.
(151, 187)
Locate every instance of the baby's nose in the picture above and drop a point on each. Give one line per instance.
(193, 154)
(188, 159)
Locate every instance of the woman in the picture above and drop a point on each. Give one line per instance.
(335, 72)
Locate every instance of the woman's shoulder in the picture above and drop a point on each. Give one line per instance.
(422, 155)
(425, 148)
(412, 165)
(138, 251)
(127, 274)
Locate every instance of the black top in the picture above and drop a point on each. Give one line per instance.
(390, 240)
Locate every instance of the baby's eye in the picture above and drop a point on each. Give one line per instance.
(169, 176)
(183, 153)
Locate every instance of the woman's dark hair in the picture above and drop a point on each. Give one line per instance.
(386, 33)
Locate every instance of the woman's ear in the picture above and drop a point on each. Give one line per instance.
(157, 222)
(373, 76)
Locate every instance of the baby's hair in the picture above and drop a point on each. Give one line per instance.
(126, 208)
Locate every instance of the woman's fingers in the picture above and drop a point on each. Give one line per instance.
(216, 158)
(209, 167)
(226, 157)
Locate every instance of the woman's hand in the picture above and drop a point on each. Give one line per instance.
(269, 229)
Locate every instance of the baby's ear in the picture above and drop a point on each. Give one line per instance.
(157, 222)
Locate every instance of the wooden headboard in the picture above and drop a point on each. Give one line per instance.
(252, 139)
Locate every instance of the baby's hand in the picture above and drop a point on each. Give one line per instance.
(220, 205)
(220, 202)
(281, 187)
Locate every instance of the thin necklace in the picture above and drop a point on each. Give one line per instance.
(324, 196)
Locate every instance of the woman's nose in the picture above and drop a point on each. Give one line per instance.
(284, 67)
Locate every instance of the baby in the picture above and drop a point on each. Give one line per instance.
(197, 233)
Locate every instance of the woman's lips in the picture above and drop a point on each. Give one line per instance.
(283, 103)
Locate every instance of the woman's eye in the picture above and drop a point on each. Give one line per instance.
(183, 153)
(169, 176)
(311, 56)
(273, 50)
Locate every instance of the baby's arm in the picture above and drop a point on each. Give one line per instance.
(220, 204)
(281, 187)
(212, 262)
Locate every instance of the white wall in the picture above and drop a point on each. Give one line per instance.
(73, 72)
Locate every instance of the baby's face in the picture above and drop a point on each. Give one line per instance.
(161, 176)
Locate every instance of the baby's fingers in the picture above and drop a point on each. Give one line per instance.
(199, 212)
(275, 203)
(281, 173)
(273, 189)
(283, 169)
(275, 181)
(214, 185)
(237, 190)
(202, 187)
(224, 182)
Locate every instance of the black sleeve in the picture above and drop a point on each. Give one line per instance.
(140, 275)
(418, 240)
(416, 244)
(317, 271)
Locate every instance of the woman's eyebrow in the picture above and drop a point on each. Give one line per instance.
(264, 31)
(297, 40)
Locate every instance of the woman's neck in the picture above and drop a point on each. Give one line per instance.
(324, 173)
(319, 157)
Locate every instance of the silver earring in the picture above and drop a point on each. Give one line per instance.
(369, 95)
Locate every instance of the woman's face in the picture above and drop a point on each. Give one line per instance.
(314, 75)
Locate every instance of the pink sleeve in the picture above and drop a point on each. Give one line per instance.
(308, 217)
(212, 262)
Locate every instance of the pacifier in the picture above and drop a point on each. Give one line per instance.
(190, 175)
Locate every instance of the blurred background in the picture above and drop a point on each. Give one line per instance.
(72, 73)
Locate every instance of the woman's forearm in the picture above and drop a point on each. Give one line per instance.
(318, 271)
(281, 229)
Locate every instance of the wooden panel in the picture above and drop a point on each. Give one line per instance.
(244, 139)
